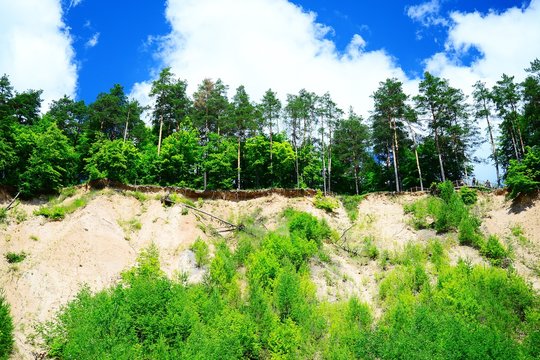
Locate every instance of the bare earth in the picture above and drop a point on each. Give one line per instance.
(95, 244)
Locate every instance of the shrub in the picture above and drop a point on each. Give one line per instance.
(200, 248)
(494, 250)
(369, 249)
(3, 215)
(14, 258)
(59, 211)
(307, 226)
(350, 203)
(524, 176)
(6, 329)
(326, 203)
(468, 233)
(468, 195)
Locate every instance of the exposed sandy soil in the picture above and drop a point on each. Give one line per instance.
(95, 244)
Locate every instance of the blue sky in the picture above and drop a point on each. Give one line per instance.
(125, 53)
(83, 47)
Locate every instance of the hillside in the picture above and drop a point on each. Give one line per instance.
(99, 240)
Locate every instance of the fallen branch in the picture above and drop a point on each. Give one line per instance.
(12, 201)
(236, 227)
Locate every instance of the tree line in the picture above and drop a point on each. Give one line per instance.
(211, 140)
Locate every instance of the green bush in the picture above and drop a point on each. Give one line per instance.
(326, 203)
(494, 250)
(524, 176)
(350, 203)
(369, 249)
(3, 215)
(200, 249)
(307, 226)
(468, 195)
(6, 329)
(14, 258)
(57, 212)
(468, 232)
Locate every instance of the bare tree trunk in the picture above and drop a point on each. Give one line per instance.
(127, 124)
(356, 178)
(271, 147)
(443, 178)
(160, 132)
(493, 147)
(323, 159)
(238, 185)
(416, 156)
(296, 166)
(395, 151)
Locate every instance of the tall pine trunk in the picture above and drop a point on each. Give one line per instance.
(416, 156)
(356, 178)
(493, 147)
(238, 184)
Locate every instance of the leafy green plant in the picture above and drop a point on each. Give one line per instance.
(468, 195)
(3, 215)
(14, 258)
(494, 250)
(57, 212)
(350, 203)
(6, 329)
(201, 251)
(326, 203)
(517, 232)
(369, 249)
(524, 176)
(468, 232)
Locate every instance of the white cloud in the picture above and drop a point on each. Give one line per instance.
(36, 49)
(74, 3)
(268, 43)
(427, 13)
(506, 41)
(93, 41)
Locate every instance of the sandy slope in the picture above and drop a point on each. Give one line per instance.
(94, 245)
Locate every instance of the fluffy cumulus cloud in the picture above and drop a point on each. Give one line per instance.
(268, 44)
(36, 48)
(506, 43)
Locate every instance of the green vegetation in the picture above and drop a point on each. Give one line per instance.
(430, 308)
(221, 139)
(448, 212)
(517, 232)
(350, 203)
(468, 195)
(6, 329)
(524, 176)
(3, 215)
(56, 210)
(326, 203)
(201, 251)
(14, 258)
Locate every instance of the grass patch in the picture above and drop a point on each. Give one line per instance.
(142, 197)
(179, 199)
(57, 211)
(14, 258)
(201, 251)
(326, 203)
(350, 203)
(130, 226)
(517, 232)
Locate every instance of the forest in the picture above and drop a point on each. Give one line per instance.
(211, 140)
(258, 298)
